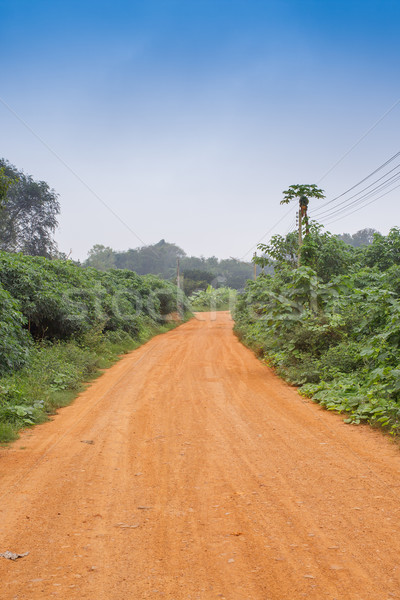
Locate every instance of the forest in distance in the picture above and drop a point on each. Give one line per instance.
(197, 272)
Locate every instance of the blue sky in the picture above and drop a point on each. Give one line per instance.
(189, 117)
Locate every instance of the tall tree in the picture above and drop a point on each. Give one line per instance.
(363, 237)
(4, 185)
(29, 217)
(101, 257)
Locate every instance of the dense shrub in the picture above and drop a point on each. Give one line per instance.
(15, 341)
(222, 298)
(60, 300)
(337, 337)
(60, 323)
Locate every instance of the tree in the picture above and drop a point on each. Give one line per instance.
(101, 257)
(29, 217)
(302, 191)
(158, 259)
(195, 280)
(323, 252)
(5, 183)
(280, 253)
(384, 252)
(363, 237)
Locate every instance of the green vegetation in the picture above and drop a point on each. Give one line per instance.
(364, 237)
(5, 183)
(211, 299)
(28, 215)
(161, 259)
(332, 325)
(60, 324)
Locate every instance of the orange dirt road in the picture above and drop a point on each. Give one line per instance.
(208, 478)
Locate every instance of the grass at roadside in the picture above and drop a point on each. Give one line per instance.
(57, 372)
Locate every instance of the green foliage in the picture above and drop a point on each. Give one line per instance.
(161, 259)
(211, 299)
(15, 341)
(363, 237)
(8, 433)
(101, 257)
(321, 251)
(300, 191)
(195, 280)
(281, 252)
(335, 331)
(325, 253)
(60, 300)
(29, 217)
(384, 251)
(60, 323)
(5, 183)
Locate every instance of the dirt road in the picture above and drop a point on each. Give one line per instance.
(208, 478)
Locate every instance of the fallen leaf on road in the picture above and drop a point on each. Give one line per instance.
(12, 555)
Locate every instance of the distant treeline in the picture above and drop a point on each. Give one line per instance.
(198, 272)
(161, 259)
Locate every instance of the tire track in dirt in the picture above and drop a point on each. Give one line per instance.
(208, 478)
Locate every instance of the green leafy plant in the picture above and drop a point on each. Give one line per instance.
(221, 298)
(61, 323)
(331, 326)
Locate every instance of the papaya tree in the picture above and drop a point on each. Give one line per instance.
(302, 193)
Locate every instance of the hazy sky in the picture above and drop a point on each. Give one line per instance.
(189, 117)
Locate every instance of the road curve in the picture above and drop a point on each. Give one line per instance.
(189, 471)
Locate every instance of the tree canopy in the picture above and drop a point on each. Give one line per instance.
(321, 251)
(302, 191)
(363, 237)
(5, 183)
(28, 219)
(161, 259)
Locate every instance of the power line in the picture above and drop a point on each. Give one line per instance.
(360, 140)
(268, 232)
(292, 227)
(361, 207)
(360, 182)
(363, 190)
(346, 204)
(71, 170)
(370, 194)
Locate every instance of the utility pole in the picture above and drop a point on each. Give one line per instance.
(255, 266)
(303, 193)
(178, 275)
(303, 205)
(300, 236)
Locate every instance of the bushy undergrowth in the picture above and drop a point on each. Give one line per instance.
(15, 340)
(60, 324)
(336, 335)
(222, 298)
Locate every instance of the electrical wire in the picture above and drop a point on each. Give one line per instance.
(367, 204)
(268, 232)
(346, 205)
(292, 227)
(318, 210)
(362, 181)
(360, 140)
